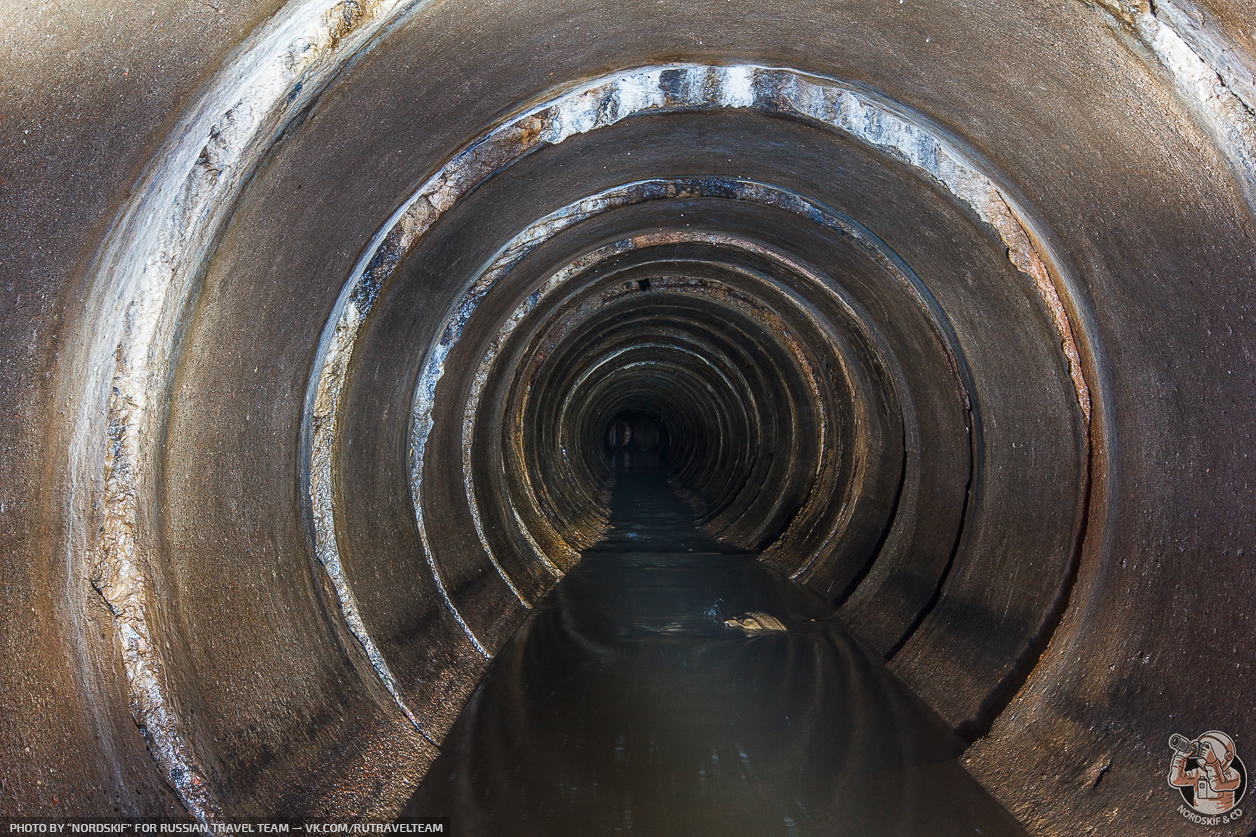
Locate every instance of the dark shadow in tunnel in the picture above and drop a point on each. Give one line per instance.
(670, 686)
(636, 439)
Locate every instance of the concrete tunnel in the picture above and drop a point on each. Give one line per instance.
(317, 316)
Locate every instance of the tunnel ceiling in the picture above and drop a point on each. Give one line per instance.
(940, 307)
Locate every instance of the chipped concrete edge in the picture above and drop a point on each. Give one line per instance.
(151, 259)
(1212, 76)
(630, 193)
(638, 192)
(147, 267)
(319, 462)
(599, 103)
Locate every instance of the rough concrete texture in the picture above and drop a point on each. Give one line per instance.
(87, 93)
(1094, 595)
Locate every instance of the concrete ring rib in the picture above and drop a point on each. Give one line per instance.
(572, 275)
(600, 103)
(288, 63)
(150, 260)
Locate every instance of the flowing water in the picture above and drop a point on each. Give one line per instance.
(671, 686)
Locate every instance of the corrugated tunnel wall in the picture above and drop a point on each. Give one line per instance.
(316, 316)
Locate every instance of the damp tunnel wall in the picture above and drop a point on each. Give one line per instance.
(316, 318)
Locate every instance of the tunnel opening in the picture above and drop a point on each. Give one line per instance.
(826, 397)
(637, 439)
(737, 417)
(929, 310)
(822, 396)
(703, 391)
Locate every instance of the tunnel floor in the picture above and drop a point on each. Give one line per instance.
(670, 686)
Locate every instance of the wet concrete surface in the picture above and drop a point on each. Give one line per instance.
(669, 685)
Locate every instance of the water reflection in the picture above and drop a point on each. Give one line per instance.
(655, 693)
